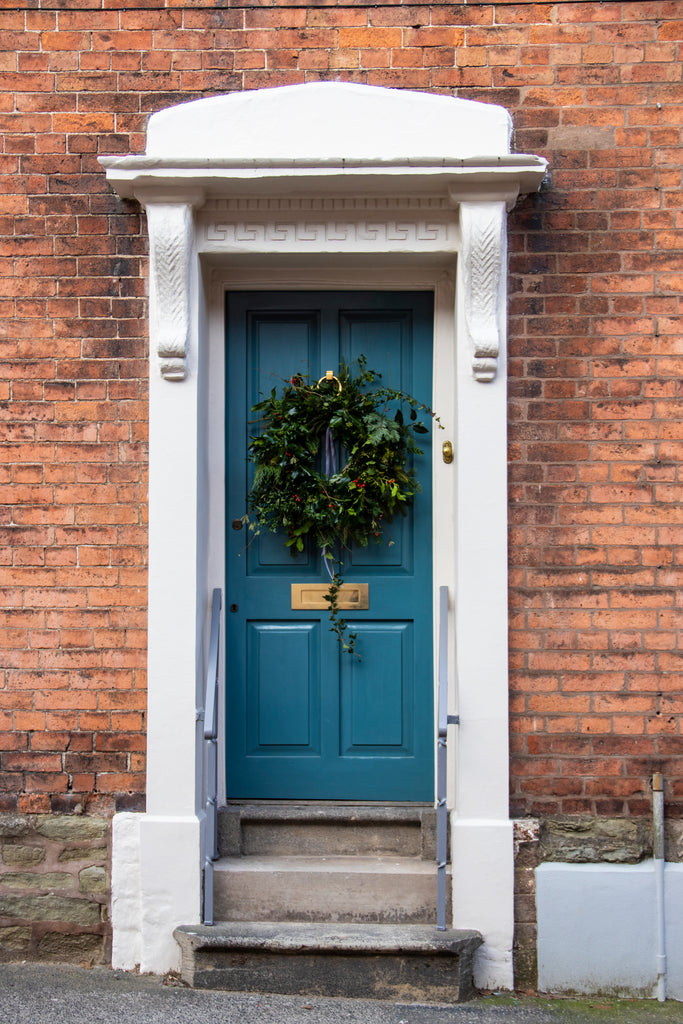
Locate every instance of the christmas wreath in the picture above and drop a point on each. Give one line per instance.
(333, 465)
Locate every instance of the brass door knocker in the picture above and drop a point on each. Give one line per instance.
(329, 376)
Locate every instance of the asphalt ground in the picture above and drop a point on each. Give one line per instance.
(57, 994)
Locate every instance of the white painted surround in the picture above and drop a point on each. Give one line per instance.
(322, 186)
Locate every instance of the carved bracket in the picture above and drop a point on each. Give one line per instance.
(483, 254)
(170, 235)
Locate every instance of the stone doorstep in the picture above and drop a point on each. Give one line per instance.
(383, 890)
(328, 810)
(333, 827)
(407, 963)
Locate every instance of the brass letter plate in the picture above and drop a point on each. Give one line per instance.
(312, 596)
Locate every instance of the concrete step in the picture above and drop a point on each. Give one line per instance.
(268, 828)
(333, 889)
(407, 963)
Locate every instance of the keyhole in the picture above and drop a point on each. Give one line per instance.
(234, 607)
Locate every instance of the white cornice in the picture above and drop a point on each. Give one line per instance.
(154, 179)
(327, 169)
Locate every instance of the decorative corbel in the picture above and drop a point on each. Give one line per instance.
(170, 237)
(482, 226)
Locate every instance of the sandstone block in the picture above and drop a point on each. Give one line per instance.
(50, 908)
(83, 947)
(93, 879)
(14, 939)
(674, 841)
(83, 853)
(71, 827)
(12, 825)
(582, 840)
(18, 855)
(34, 880)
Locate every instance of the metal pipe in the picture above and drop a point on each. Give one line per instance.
(660, 863)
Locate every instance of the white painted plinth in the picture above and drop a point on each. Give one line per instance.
(150, 854)
(125, 891)
(597, 928)
(483, 877)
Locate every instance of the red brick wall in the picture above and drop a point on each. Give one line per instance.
(595, 411)
(596, 426)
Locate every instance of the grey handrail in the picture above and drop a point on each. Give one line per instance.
(443, 721)
(211, 758)
(211, 705)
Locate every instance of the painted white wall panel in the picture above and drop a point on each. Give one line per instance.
(597, 928)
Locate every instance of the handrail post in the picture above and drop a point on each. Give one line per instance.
(211, 758)
(442, 764)
(443, 721)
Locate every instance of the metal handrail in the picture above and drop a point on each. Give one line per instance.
(443, 721)
(211, 758)
(211, 745)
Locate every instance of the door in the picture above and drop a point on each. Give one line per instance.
(305, 720)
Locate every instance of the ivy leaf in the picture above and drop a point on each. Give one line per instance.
(380, 429)
(420, 428)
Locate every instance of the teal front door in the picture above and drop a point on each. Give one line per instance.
(303, 719)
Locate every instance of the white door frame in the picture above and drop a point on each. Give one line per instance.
(301, 214)
(335, 275)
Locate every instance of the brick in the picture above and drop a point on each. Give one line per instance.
(449, 37)
(295, 38)
(324, 17)
(369, 37)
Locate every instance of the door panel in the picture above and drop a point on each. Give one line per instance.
(376, 718)
(304, 720)
(275, 343)
(279, 718)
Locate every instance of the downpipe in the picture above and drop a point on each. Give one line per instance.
(659, 860)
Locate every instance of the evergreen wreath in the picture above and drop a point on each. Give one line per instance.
(333, 465)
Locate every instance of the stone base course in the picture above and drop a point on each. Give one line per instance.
(54, 888)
